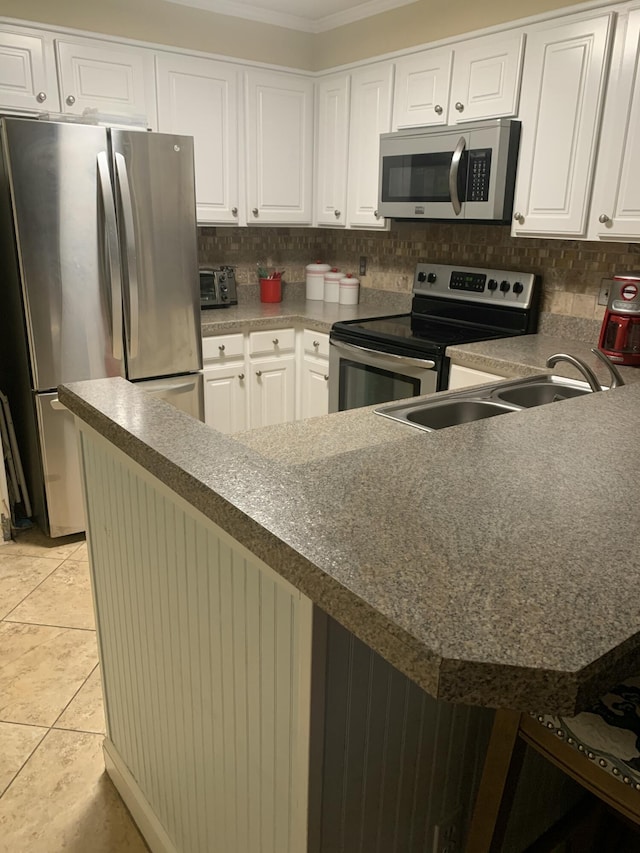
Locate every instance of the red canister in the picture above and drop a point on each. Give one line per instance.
(271, 289)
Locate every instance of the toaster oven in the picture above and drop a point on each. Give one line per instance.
(218, 287)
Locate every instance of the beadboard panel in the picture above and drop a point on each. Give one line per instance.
(206, 655)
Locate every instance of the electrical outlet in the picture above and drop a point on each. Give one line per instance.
(605, 285)
(447, 835)
(363, 265)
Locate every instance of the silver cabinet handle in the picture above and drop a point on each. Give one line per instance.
(70, 100)
(438, 109)
(459, 106)
(453, 175)
(114, 273)
(221, 347)
(255, 211)
(604, 218)
(41, 97)
(380, 357)
(337, 214)
(518, 218)
(316, 344)
(131, 252)
(234, 211)
(376, 214)
(241, 376)
(326, 377)
(275, 342)
(258, 373)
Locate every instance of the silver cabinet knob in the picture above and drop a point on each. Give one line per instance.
(275, 342)
(459, 106)
(70, 100)
(255, 211)
(234, 211)
(438, 109)
(326, 378)
(518, 218)
(41, 97)
(316, 344)
(221, 347)
(376, 214)
(337, 214)
(241, 376)
(258, 373)
(604, 218)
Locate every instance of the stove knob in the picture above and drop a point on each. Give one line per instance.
(518, 287)
(422, 276)
(504, 286)
(431, 277)
(492, 284)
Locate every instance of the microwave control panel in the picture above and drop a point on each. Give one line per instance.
(479, 174)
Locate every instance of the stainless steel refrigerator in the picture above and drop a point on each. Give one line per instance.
(98, 277)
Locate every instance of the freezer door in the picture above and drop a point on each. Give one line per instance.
(60, 226)
(154, 184)
(60, 461)
(184, 392)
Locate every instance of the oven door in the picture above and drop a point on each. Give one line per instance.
(360, 376)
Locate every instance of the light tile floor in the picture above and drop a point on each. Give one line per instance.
(54, 793)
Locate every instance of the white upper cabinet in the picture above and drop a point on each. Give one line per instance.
(332, 150)
(113, 79)
(560, 107)
(27, 71)
(421, 94)
(279, 147)
(486, 78)
(200, 98)
(615, 212)
(370, 115)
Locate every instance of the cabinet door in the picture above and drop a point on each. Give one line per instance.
(272, 390)
(486, 78)
(370, 115)
(27, 71)
(199, 98)
(225, 397)
(279, 147)
(314, 387)
(560, 108)
(421, 94)
(113, 79)
(615, 214)
(332, 134)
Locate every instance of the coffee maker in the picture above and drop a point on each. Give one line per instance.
(620, 332)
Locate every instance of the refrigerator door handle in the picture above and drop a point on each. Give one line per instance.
(130, 252)
(111, 239)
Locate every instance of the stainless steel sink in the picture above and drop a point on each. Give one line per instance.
(478, 403)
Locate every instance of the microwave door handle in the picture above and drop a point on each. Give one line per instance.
(453, 175)
(424, 363)
(113, 264)
(130, 252)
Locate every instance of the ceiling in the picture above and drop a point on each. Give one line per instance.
(312, 16)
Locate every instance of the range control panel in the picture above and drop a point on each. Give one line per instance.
(475, 284)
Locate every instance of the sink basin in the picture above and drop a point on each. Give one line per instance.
(475, 404)
(539, 393)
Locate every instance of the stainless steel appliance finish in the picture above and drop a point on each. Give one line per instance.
(98, 241)
(465, 172)
(218, 287)
(390, 358)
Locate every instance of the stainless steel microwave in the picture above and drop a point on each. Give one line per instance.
(466, 172)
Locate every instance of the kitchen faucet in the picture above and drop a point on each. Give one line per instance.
(587, 372)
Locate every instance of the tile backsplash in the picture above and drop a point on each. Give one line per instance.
(571, 270)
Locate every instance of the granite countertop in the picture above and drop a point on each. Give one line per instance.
(495, 563)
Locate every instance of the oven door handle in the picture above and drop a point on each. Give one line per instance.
(425, 364)
(453, 175)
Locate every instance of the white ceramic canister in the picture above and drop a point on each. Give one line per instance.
(349, 290)
(332, 285)
(315, 279)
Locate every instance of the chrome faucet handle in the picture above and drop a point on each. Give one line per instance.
(586, 371)
(616, 379)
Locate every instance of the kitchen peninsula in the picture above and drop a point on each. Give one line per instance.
(487, 563)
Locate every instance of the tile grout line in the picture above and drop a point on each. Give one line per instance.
(24, 763)
(37, 586)
(45, 625)
(74, 696)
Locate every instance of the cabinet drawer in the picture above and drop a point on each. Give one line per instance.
(315, 343)
(222, 348)
(271, 342)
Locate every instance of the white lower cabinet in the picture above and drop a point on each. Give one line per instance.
(272, 390)
(313, 388)
(226, 406)
(466, 377)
